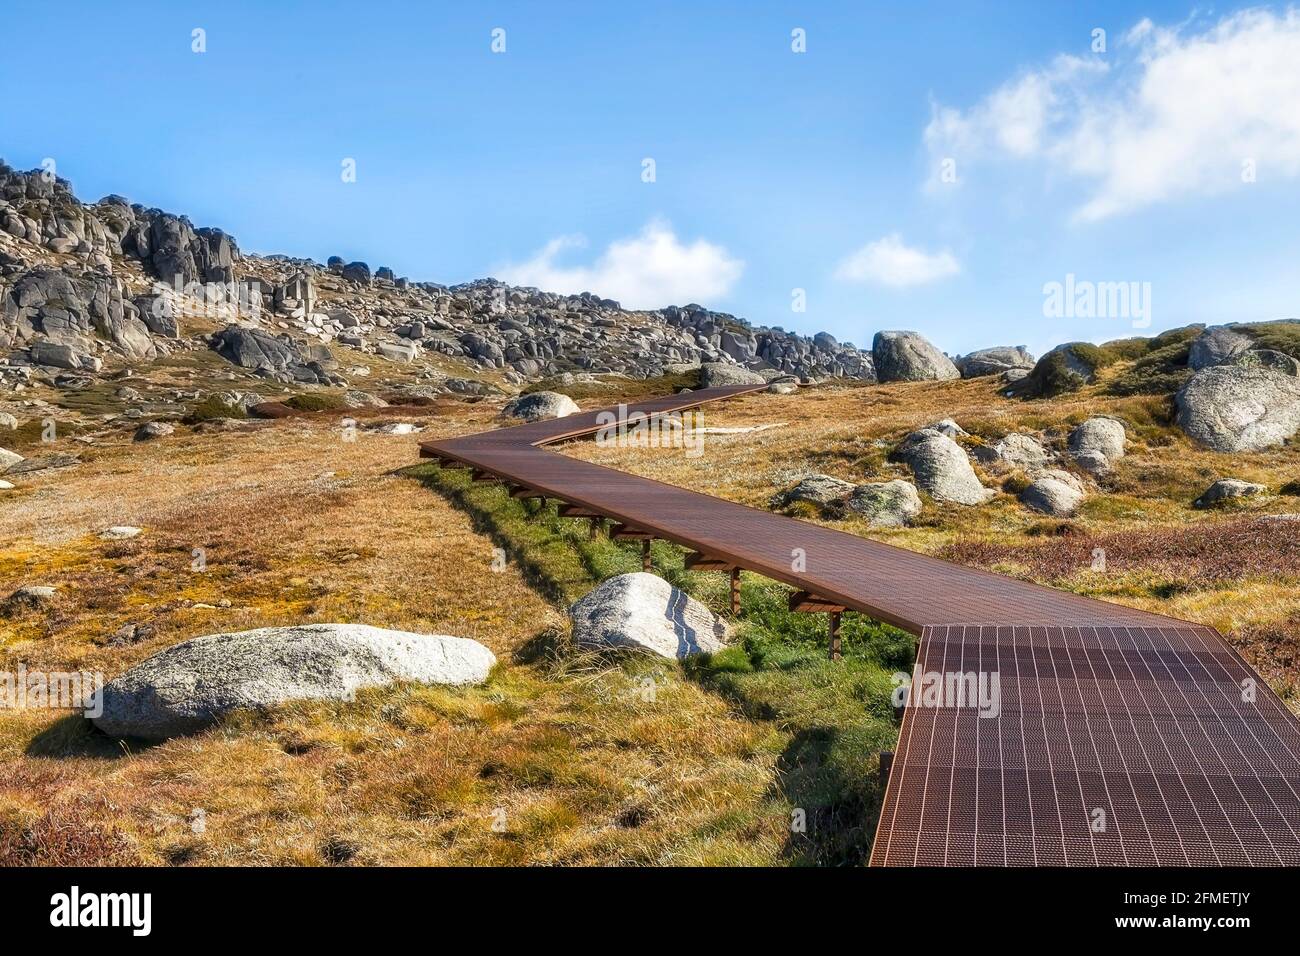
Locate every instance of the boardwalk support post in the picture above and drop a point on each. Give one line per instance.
(703, 562)
(814, 604)
(645, 554)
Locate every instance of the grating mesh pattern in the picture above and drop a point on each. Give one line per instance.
(1121, 737)
(1112, 746)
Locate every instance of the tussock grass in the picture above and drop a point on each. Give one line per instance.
(834, 718)
(565, 746)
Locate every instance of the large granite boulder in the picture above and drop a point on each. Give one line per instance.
(171, 253)
(1249, 404)
(942, 468)
(255, 349)
(215, 255)
(536, 406)
(192, 684)
(994, 361)
(909, 357)
(644, 612)
(723, 373)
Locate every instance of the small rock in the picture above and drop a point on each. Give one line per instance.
(354, 398)
(42, 463)
(823, 491)
(645, 612)
(785, 385)
(886, 504)
(398, 428)
(1054, 492)
(9, 458)
(1097, 444)
(8, 421)
(1015, 451)
(1227, 489)
(398, 351)
(126, 635)
(28, 596)
(150, 431)
(949, 427)
(6, 485)
(119, 532)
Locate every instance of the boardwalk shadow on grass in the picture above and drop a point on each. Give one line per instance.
(839, 809)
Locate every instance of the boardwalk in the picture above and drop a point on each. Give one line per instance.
(1123, 737)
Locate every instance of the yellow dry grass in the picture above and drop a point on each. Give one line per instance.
(296, 524)
(558, 758)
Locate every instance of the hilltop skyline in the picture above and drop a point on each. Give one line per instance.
(935, 169)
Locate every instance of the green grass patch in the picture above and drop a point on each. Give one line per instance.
(1278, 336)
(611, 391)
(213, 408)
(315, 402)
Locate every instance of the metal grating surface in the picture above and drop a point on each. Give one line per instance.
(1148, 725)
(1102, 708)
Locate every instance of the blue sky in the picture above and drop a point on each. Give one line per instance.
(773, 170)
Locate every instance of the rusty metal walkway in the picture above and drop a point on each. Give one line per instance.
(1121, 737)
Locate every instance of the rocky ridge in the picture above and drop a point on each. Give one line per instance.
(85, 286)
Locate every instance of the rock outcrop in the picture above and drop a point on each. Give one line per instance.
(994, 361)
(192, 684)
(643, 612)
(909, 357)
(1249, 404)
(121, 279)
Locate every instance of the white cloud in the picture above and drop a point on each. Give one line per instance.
(1170, 113)
(890, 261)
(647, 271)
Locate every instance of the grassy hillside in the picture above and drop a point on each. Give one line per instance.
(563, 756)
